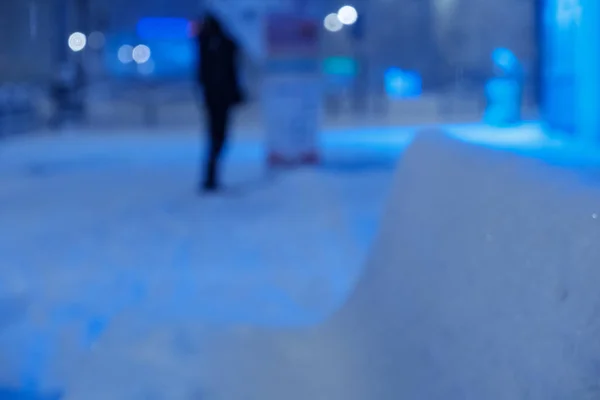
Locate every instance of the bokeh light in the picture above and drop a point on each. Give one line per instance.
(332, 23)
(347, 15)
(141, 54)
(77, 41)
(125, 54)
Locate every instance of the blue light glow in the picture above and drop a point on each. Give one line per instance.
(171, 58)
(503, 101)
(164, 28)
(402, 84)
(504, 91)
(530, 139)
(505, 59)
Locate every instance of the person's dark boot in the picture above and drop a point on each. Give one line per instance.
(210, 186)
(210, 183)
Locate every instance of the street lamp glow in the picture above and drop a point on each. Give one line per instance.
(125, 54)
(347, 15)
(332, 23)
(77, 41)
(141, 54)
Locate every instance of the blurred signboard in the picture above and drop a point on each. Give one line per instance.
(292, 34)
(292, 87)
(292, 44)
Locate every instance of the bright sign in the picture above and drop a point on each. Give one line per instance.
(164, 28)
(402, 84)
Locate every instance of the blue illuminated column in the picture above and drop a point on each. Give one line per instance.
(587, 67)
(559, 100)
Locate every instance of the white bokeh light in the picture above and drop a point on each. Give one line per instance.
(125, 54)
(347, 15)
(141, 54)
(332, 23)
(77, 41)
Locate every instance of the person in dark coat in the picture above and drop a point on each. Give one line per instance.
(218, 77)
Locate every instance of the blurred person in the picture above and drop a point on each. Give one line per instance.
(218, 77)
(66, 93)
(504, 92)
(59, 94)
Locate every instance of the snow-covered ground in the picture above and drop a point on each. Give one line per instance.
(121, 282)
(103, 238)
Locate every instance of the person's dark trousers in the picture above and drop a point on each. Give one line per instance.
(218, 121)
(60, 97)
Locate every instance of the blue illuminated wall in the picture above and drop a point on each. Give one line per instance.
(558, 65)
(587, 62)
(571, 67)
